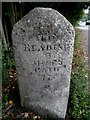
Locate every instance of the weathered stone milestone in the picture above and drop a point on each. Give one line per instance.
(43, 47)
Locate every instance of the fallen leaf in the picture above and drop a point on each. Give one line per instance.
(26, 115)
(10, 102)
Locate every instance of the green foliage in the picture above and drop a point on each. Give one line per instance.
(7, 62)
(76, 41)
(78, 102)
(8, 58)
(79, 93)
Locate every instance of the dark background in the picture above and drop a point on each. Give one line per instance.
(14, 11)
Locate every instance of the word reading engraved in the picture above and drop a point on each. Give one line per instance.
(48, 47)
(47, 66)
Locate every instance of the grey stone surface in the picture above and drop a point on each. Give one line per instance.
(43, 45)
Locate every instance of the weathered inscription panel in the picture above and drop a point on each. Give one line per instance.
(43, 44)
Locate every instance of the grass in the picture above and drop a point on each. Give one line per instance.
(78, 100)
(79, 93)
(0, 78)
